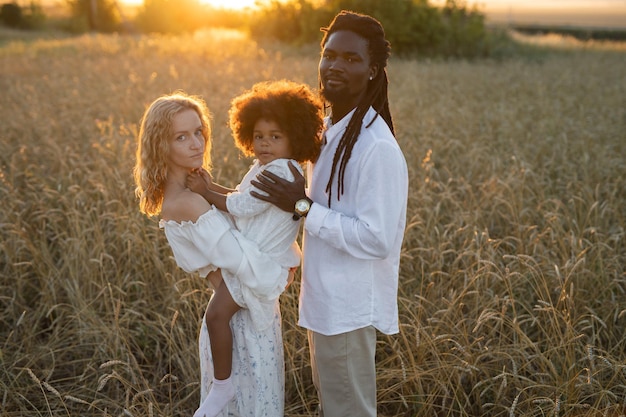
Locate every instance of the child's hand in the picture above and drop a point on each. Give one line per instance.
(208, 179)
(196, 181)
(291, 276)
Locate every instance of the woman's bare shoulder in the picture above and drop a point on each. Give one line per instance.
(184, 207)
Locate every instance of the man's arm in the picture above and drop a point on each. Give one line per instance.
(367, 225)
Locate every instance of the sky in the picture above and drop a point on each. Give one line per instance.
(600, 13)
(589, 13)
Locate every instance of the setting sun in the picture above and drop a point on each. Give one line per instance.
(226, 4)
(230, 4)
(596, 13)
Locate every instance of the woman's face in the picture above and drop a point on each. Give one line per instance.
(186, 142)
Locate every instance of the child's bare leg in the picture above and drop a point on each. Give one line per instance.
(215, 278)
(218, 314)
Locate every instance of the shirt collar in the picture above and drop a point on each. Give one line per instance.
(333, 130)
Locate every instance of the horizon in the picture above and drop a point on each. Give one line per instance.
(603, 14)
(609, 14)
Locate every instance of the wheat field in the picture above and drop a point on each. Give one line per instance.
(513, 276)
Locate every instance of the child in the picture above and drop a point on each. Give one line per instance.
(275, 122)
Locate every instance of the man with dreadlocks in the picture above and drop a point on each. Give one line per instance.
(355, 218)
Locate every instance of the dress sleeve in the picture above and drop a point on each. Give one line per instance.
(195, 244)
(211, 243)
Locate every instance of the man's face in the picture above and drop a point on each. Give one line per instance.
(344, 69)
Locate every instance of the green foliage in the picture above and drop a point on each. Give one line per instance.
(296, 22)
(33, 16)
(414, 27)
(94, 15)
(11, 15)
(464, 31)
(29, 17)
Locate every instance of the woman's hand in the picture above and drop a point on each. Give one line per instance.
(280, 192)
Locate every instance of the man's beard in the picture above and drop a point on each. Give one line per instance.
(333, 95)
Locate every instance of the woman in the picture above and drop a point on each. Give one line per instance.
(174, 139)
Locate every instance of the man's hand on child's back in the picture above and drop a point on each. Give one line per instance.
(280, 192)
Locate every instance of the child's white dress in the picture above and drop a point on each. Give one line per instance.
(261, 252)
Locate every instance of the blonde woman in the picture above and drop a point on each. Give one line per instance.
(243, 370)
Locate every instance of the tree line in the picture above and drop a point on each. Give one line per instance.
(414, 27)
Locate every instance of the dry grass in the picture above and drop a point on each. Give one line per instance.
(512, 282)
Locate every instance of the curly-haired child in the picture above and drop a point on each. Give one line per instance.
(276, 122)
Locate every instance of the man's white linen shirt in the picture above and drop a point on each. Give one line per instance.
(352, 249)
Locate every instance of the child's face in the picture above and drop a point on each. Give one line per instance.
(186, 141)
(269, 142)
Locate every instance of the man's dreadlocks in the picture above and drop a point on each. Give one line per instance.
(376, 96)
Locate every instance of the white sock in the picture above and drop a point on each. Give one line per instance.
(222, 391)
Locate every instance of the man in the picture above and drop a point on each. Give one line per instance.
(355, 218)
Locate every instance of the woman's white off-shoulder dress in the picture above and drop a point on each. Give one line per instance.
(255, 256)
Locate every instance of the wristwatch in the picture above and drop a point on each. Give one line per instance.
(302, 208)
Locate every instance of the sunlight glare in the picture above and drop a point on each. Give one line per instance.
(230, 4)
(223, 4)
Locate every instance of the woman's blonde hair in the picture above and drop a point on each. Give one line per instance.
(153, 146)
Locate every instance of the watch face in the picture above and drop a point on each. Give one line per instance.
(302, 206)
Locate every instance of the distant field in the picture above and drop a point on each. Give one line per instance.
(513, 275)
(597, 18)
(584, 34)
(575, 13)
